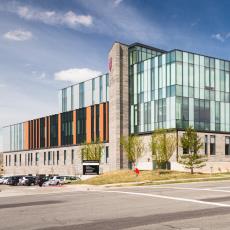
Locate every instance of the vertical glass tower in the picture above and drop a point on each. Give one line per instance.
(177, 89)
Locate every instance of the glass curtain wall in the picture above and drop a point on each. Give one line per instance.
(152, 92)
(178, 89)
(93, 91)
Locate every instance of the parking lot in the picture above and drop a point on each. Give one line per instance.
(192, 206)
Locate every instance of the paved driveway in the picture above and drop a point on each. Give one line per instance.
(190, 206)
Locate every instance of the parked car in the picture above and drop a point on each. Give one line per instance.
(57, 180)
(41, 180)
(27, 180)
(1, 180)
(5, 180)
(13, 180)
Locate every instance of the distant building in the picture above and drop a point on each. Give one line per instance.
(146, 89)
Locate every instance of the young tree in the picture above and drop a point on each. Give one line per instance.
(191, 144)
(162, 146)
(133, 147)
(92, 151)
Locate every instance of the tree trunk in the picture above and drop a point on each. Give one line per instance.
(192, 171)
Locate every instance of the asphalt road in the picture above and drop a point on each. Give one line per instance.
(190, 206)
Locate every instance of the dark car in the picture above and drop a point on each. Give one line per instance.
(13, 180)
(41, 180)
(30, 180)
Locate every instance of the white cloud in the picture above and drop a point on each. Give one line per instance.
(69, 19)
(18, 35)
(221, 37)
(218, 37)
(76, 75)
(117, 2)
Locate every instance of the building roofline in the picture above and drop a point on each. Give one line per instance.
(82, 81)
(147, 47)
(200, 54)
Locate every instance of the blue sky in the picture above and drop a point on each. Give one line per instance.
(47, 45)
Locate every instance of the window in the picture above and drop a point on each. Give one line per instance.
(206, 144)
(37, 158)
(212, 145)
(49, 158)
(106, 154)
(57, 157)
(15, 159)
(93, 91)
(64, 157)
(227, 146)
(44, 158)
(53, 158)
(20, 159)
(72, 156)
(6, 160)
(101, 89)
(9, 160)
(25, 159)
(31, 158)
(81, 95)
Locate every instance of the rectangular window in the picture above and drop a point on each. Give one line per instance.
(106, 154)
(179, 73)
(6, 160)
(72, 156)
(64, 157)
(31, 158)
(15, 159)
(44, 158)
(93, 91)
(57, 157)
(212, 145)
(101, 89)
(81, 95)
(53, 158)
(49, 158)
(206, 144)
(227, 145)
(37, 158)
(9, 160)
(20, 159)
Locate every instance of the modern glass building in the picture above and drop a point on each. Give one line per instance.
(145, 89)
(177, 89)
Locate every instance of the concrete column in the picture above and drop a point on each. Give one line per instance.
(118, 104)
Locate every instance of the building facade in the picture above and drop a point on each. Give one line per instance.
(145, 89)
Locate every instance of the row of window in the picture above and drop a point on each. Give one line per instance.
(84, 94)
(178, 56)
(211, 141)
(30, 159)
(178, 90)
(49, 158)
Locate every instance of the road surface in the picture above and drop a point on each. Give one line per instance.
(189, 206)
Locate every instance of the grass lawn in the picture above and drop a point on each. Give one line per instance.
(150, 177)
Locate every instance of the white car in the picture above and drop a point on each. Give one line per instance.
(5, 180)
(57, 180)
(22, 180)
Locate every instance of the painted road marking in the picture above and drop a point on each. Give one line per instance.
(165, 197)
(187, 188)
